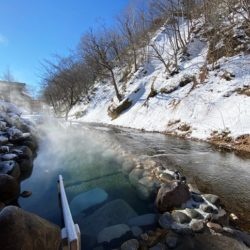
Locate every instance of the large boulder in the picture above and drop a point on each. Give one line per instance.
(87, 199)
(22, 230)
(9, 188)
(172, 195)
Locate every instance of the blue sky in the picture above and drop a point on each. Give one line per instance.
(34, 30)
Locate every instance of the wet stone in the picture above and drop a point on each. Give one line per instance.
(221, 217)
(207, 209)
(193, 213)
(166, 220)
(172, 240)
(180, 217)
(197, 198)
(215, 227)
(214, 199)
(197, 226)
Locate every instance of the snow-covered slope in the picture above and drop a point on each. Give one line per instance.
(200, 100)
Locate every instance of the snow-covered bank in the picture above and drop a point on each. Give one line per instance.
(200, 101)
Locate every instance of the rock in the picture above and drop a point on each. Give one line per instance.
(127, 167)
(4, 149)
(137, 231)
(135, 175)
(132, 244)
(22, 230)
(10, 168)
(197, 226)
(143, 220)
(143, 192)
(243, 236)
(113, 232)
(215, 227)
(166, 220)
(171, 240)
(23, 152)
(112, 213)
(172, 195)
(3, 139)
(26, 194)
(87, 199)
(25, 165)
(197, 198)
(183, 229)
(180, 217)
(8, 157)
(159, 246)
(214, 199)
(9, 188)
(207, 241)
(207, 209)
(221, 217)
(193, 213)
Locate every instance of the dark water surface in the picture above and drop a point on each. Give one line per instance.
(83, 156)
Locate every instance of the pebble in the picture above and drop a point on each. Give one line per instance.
(207, 209)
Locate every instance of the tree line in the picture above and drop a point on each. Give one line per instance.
(128, 45)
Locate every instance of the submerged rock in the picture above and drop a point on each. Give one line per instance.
(132, 244)
(212, 198)
(112, 233)
(87, 199)
(172, 195)
(143, 220)
(112, 213)
(22, 230)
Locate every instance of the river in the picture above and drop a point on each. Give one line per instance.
(86, 156)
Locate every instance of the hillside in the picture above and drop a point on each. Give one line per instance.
(207, 98)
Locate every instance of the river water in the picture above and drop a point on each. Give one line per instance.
(86, 157)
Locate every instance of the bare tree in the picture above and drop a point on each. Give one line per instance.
(100, 53)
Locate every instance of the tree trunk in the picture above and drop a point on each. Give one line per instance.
(118, 95)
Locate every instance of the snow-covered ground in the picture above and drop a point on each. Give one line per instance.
(204, 105)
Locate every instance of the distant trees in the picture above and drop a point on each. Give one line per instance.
(66, 81)
(8, 75)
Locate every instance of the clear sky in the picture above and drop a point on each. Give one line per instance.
(34, 30)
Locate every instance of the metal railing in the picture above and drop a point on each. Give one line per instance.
(71, 235)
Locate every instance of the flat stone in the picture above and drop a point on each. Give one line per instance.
(112, 213)
(132, 244)
(197, 226)
(87, 200)
(166, 220)
(214, 199)
(143, 220)
(113, 232)
(180, 217)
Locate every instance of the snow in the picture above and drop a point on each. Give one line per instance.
(210, 105)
